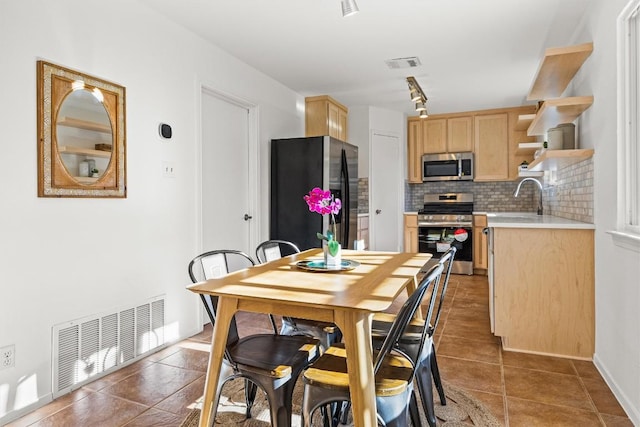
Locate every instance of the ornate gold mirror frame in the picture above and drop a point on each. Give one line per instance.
(81, 134)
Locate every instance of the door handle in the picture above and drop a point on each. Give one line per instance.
(378, 211)
(247, 217)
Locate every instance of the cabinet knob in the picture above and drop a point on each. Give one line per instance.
(247, 217)
(378, 211)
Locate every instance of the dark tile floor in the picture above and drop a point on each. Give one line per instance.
(520, 389)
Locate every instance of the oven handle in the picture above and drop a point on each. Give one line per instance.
(446, 224)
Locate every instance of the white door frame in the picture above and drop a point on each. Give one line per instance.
(399, 180)
(253, 165)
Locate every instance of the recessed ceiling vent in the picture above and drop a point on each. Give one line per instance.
(410, 62)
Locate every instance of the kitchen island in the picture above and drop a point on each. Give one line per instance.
(541, 278)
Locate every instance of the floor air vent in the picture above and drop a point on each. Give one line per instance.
(88, 348)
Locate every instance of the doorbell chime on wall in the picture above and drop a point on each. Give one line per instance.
(165, 131)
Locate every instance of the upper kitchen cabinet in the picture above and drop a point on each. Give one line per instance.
(434, 136)
(491, 142)
(445, 134)
(460, 134)
(414, 151)
(325, 116)
(557, 69)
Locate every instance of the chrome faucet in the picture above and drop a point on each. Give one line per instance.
(539, 187)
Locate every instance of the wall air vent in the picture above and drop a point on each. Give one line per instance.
(88, 348)
(397, 63)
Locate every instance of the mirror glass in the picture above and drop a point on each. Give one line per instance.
(84, 136)
(81, 134)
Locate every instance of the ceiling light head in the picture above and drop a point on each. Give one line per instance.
(423, 114)
(415, 94)
(420, 106)
(349, 7)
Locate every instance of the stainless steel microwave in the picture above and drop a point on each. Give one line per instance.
(447, 167)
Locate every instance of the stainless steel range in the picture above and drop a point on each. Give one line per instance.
(447, 220)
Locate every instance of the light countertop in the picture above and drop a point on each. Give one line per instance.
(532, 220)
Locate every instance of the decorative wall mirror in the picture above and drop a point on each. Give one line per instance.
(81, 134)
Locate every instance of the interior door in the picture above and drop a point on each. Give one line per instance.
(385, 190)
(226, 206)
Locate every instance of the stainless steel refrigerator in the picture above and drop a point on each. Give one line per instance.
(297, 166)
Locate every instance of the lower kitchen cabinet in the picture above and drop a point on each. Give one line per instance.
(544, 290)
(480, 247)
(411, 232)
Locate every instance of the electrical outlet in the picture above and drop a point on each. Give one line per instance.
(8, 356)
(168, 170)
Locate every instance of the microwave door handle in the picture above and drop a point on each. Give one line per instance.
(459, 167)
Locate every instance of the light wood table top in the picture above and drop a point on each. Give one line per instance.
(346, 298)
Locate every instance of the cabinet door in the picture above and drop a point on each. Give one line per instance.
(410, 233)
(460, 134)
(480, 247)
(342, 125)
(491, 143)
(434, 136)
(334, 120)
(414, 151)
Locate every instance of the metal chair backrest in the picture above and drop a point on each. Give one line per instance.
(446, 260)
(407, 313)
(214, 264)
(275, 249)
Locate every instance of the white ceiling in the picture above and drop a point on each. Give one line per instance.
(475, 54)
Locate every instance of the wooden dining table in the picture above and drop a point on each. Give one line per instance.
(347, 298)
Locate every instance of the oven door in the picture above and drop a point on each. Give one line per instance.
(437, 239)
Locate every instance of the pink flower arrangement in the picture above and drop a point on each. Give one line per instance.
(324, 203)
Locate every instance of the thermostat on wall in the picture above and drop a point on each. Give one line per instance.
(165, 131)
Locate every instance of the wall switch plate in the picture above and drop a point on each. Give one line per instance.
(168, 169)
(7, 357)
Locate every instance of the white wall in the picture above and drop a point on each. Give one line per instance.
(617, 269)
(365, 119)
(63, 259)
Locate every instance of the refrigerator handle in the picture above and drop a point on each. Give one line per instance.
(346, 198)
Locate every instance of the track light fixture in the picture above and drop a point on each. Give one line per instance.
(349, 7)
(417, 96)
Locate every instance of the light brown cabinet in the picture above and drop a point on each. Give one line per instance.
(491, 142)
(414, 151)
(434, 136)
(325, 116)
(492, 135)
(480, 246)
(460, 134)
(411, 232)
(544, 290)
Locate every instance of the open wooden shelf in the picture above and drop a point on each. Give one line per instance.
(69, 149)
(528, 147)
(84, 124)
(557, 111)
(558, 159)
(556, 70)
(528, 173)
(524, 120)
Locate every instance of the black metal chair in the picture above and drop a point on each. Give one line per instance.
(326, 381)
(327, 333)
(410, 341)
(269, 361)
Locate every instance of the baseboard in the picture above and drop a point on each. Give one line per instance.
(627, 404)
(18, 413)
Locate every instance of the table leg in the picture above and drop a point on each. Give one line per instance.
(356, 331)
(225, 311)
